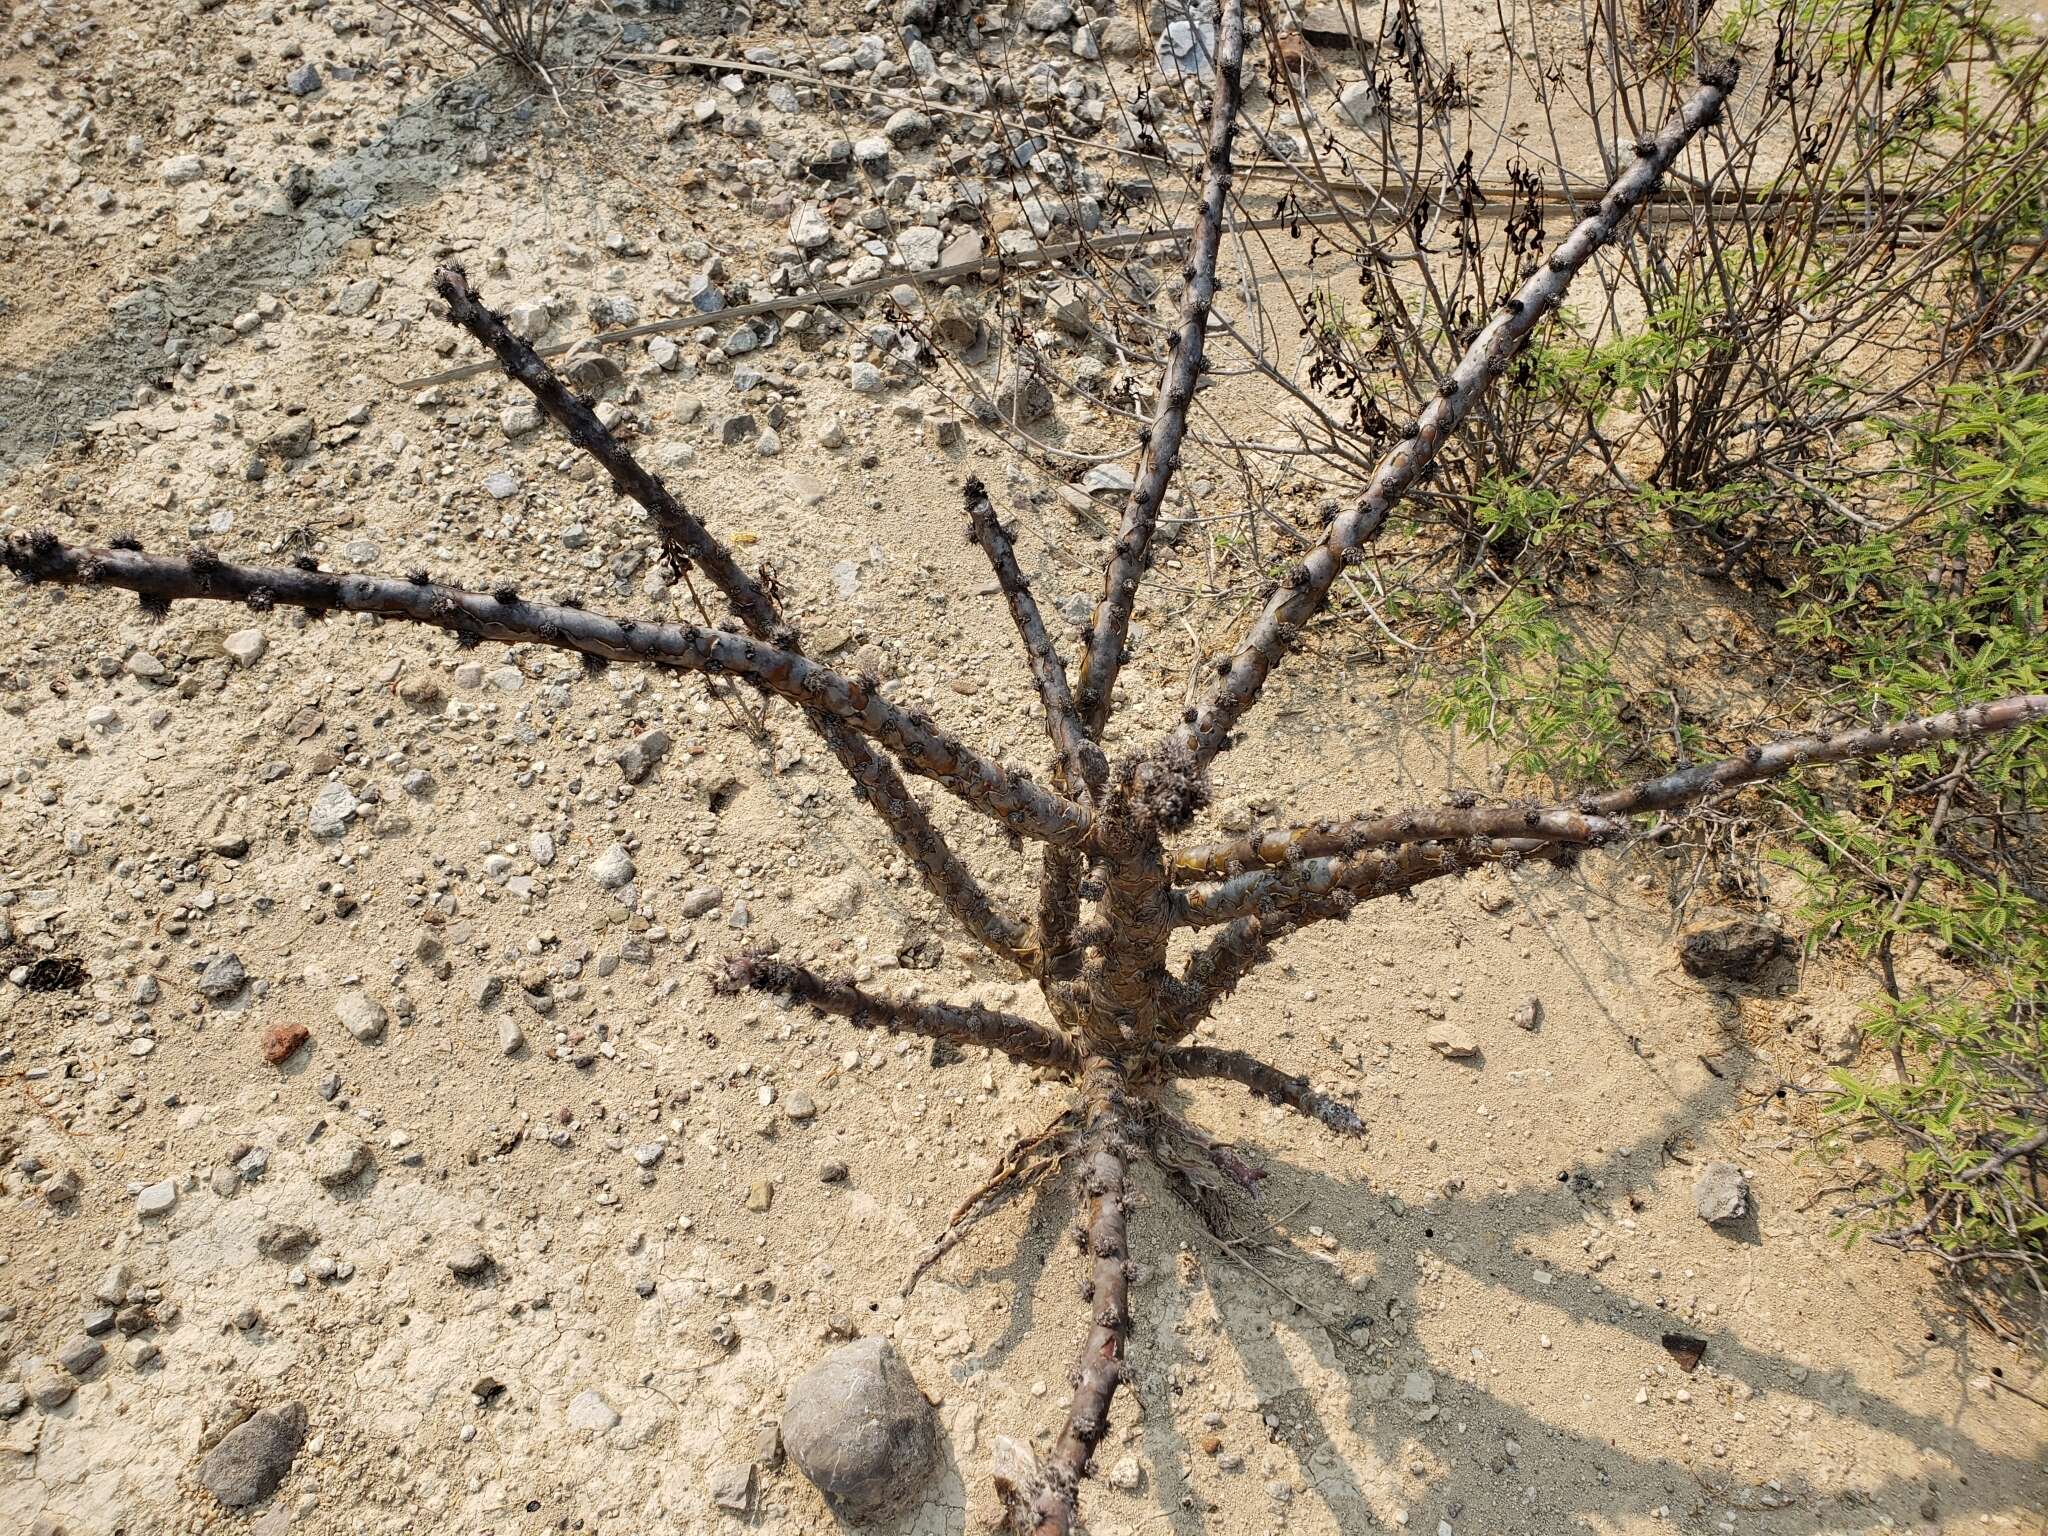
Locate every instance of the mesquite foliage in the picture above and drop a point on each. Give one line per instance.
(1115, 893)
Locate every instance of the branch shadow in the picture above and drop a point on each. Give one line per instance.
(1582, 1477)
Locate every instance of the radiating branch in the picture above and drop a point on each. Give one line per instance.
(1777, 758)
(1109, 629)
(1592, 820)
(1026, 808)
(579, 423)
(1302, 593)
(1268, 1082)
(1360, 876)
(687, 541)
(1081, 760)
(1019, 1039)
(1262, 850)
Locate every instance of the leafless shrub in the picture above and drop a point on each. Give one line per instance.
(515, 32)
(1113, 945)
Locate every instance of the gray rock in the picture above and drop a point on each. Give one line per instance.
(79, 1355)
(701, 900)
(510, 1036)
(245, 647)
(612, 868)
(918, 247)
(907, 126)
(180, 169)
(1528, 1013)
(1359, 102)
(49, 1387)
(1721, 1194)
(808, 230)
(303, 81)
(338, 1159)
(332, 810)
(858, 1427)
(253, 1457)
(157, 1200)
(113, 1286)
(1047, 15)
(62, 1187)
(282, 1239)
(355, 300)
(466, 1261)
(13, 1399)
(732, 1487)
(1024, 398)
(223, 977)
(361, 1016)
(640, 756)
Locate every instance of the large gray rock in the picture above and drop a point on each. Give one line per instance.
(1721, 1194)
(858, 1427)
(253, 1457)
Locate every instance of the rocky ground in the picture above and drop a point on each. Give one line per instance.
(377, 1156)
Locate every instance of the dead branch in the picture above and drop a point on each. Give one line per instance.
(1022, 1166)
(1024, 807)
(686, 540)
(1301, 595)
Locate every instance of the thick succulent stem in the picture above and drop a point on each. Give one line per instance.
(1046, 1504)
(1109, 628)
(1303, 592)
(1267, 1082)
(1262, 850)
(1024, 807)
(1126, 977)
(1361, 876)
(1019, 1039)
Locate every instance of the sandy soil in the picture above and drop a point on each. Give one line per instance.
(1456, 1328)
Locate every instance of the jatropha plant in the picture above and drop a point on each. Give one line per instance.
(1114, 895)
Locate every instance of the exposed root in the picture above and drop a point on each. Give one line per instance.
(1198, 1167)
(1024, 1166)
